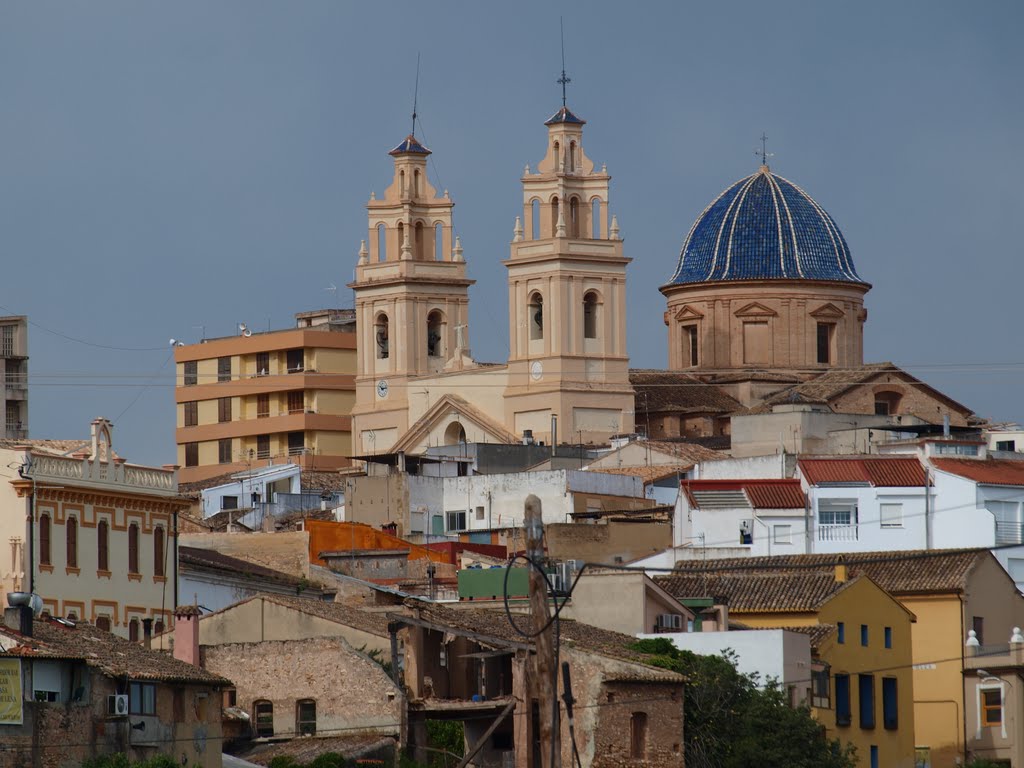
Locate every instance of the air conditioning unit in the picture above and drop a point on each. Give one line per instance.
(669, 621)
(117, 705)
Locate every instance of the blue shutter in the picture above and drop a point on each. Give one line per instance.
(842, 699)
(890, 703)
(866, 695)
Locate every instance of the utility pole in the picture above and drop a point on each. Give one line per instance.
(543, 680)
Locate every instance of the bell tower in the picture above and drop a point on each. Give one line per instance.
(412, 300)
(567, 299)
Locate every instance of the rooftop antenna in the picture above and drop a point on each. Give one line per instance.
(332, 288)
(763, 151)
(564, 80)
(415, 93)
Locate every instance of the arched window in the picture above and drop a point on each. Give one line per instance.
(401, 237)
(417, 244)
(574, 217)
(401, 183)
(572, 157)
(72, 616)
(44, 540)
(263, 718)
(103, 622)
(380, 337)
(416, 183)
(455, 434)
(535, 316)
(887, 403)
(535, 219)
(102, 546)
(305, 717)
(382, 243)
(133, 548)
(595, 218)
(638, 736)
(554, 215)
(438, 242)
(435, 334)
(590, 305)
(158, 551)
(558, 157)
(133, 630)
(71, 532)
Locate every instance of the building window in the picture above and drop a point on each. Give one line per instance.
(479, 513)
(864, 635)
(1008, 523)
(955, 449)
(191, 413)
(756, 343)
(590, 315)
(296, 443)
(782, 534)
(843, 716)
(191, 454)
(890, 704)
(535, 316)
(133, 548)
(887, 403)
(223, 409)
(691, 355)
(435, 334)
(826, 334)
(294, 361)
(978, 625)
(296, 402)
(1006, 445)
(44, 540)
(381, 337)
(191, 373)
(228, 503)
(262, 446)
(837, 521)
(223, 369)
(891, 515)
(262, 406)
(133, 630)
(158, 627)
(638, 736)
(456, 521)
(103, 622)
(888, 637)
(873, 756)
(141, 696)
(991, 707)
(229, 697)
(922, 757)
(102, 546)
(262, 363)
(866, 695)
(820, 688)
(158, 551)
(841, 632)
(305, 717)
(224, 450)
(71, 532)
(263, 716)
(7, 345)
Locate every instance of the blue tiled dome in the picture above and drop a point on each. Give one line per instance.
(763, 228)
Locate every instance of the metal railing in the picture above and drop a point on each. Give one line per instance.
(837, 532)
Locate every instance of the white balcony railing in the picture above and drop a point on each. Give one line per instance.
(837, 532)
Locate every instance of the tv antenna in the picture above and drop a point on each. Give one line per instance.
(763, 152)
(564, 80)
(332, 288)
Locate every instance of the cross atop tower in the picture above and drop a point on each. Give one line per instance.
(564, 80)
(763, 153)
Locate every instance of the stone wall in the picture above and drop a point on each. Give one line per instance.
(286, 551)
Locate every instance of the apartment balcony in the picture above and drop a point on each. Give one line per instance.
(838, 532)
(16, 432)
(1009, 533)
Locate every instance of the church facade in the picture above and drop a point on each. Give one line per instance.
(567, 373)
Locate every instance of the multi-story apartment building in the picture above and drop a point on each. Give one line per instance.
(92, 535)
(259, 397)
(14, 376)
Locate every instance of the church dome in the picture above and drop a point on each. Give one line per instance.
(764, 227)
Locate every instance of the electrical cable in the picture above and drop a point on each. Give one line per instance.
(82, 341)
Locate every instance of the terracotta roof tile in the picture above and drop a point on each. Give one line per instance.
(817, 633)
(658, 390)
(763, 494)
(649, 474)
(987, 472)
(104, 651)
(688, 453)
(758, 592)
(894, 472)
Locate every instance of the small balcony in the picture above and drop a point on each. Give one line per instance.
(1009, 533)
(837, 532)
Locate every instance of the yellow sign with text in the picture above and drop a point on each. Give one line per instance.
(10, 692)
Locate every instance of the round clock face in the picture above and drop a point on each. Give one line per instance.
(536, 370)
(382, 388)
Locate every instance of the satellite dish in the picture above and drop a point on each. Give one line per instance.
(243, 329)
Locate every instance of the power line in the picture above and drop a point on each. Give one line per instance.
(85, 342)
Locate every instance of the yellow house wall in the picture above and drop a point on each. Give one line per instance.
(333, 401)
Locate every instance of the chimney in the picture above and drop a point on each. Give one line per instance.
(147, 633)
(19, 618)
(842, 574)
(186, 634)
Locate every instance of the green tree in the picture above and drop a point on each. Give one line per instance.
(733, 723)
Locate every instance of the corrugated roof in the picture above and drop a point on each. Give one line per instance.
(762, 494)
(888, 472)
(757, 591)
(899, 573)
(987, 472)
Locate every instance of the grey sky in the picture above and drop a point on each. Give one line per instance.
(171, 165)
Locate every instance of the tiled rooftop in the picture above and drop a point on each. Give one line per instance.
(887, 472)
(757, 591)
(987, 472)
(658, 391)
(762, 494)
(104, 651)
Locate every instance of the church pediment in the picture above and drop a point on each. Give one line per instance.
(828, 311)
(688, 313)
(754, 309)
(438, 418)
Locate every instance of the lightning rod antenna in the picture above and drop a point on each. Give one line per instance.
(416, 93)
(564, 80)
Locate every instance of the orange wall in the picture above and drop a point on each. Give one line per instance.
(327, 536)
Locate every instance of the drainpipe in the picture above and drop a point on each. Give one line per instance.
(927, 514)
(175, 519)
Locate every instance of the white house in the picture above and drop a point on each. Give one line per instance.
(263, 491)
